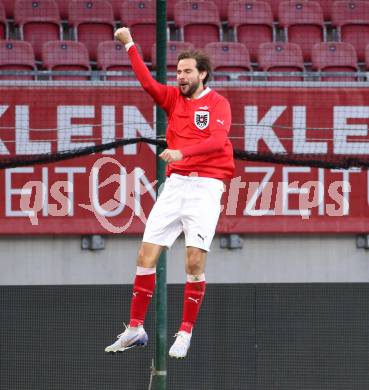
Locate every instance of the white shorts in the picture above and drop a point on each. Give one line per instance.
(188, 204)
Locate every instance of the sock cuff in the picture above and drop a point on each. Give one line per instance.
(145, 271)
(196, 278)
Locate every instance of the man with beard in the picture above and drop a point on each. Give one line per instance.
(199, 158)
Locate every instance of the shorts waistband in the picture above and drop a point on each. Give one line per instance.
(194, 178)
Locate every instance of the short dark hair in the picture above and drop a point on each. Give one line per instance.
(203, 63)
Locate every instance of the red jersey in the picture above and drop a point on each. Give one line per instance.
(197, 127)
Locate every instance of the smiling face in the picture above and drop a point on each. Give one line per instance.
(190, 80)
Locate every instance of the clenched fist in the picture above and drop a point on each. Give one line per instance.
(170, 155)
(123, 35)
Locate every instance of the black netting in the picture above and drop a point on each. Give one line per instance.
(255, 337)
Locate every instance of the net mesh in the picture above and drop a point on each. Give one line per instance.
(283, 337)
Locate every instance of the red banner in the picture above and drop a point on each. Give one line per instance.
(113, 192)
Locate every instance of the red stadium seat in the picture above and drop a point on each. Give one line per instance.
(140, 17)
(222, 8)
(174, 48)
(170, 10)
(252, 23)
(367, 58)
(303, 23)
(231, 57)
(199, 22)
(3, 23)
(63, 8)
(16, 55)
(351, 19)
(274, 4)
(66, 55)
(112, 56)
(327, 6)
(9, 8)
(335, 57)
(117, 6)
(93, 22)
(38, 22)
(281, 57)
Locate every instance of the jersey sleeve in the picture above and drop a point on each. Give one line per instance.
(163, 95)
(220, 125)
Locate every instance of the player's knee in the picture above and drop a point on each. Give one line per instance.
(195, 261)
(146, 257)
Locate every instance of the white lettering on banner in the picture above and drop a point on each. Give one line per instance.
(135, 124)
(23, 144)
(263, 130)
(292, 188)
(108, 127)
(347, 138)
(346, 189)
(129, 195)
(338, 191)
(142, 185)
(10, 191)
(68, 187)
(234, 190)
(41, 190)
(260, 190)
(45, 182)
(299, 134)
(3, 148)
(342, 130)
(67, 130)
(112, 207)
(274, 195)
(321, 191)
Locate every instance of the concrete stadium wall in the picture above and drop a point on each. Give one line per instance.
(263, 259)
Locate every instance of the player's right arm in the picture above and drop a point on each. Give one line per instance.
(158, 92)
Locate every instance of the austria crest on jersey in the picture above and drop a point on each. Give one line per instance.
(202, 119)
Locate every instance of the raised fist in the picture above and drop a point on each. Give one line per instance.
(123, 35)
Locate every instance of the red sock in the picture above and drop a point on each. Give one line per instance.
(193, 296)
(143, 290)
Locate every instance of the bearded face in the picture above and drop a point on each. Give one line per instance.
(189, 78)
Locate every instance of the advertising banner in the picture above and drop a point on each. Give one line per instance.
(112, 192)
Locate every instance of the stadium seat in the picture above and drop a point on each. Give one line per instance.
(173, 49)
(367, 58)
(38, 22)
(140, 17)
(117, 6)
(274, 4)
(335, 57)
(198, 21)
(230, 57)
(170, 10)
(222, 6)
(112, 56)
(252, 23)
(327, 6)
(93, 22)
(3, 23)
(9, 8)
(63, 8)
(66, 55)
(351, 19)
(303, 23)
(16, 55)
(281, 57)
